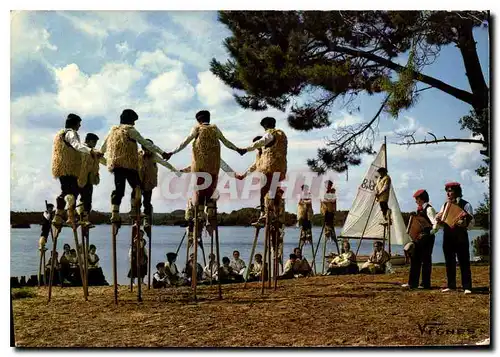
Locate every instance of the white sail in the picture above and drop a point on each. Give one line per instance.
(365, 216)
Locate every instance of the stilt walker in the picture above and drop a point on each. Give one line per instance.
(120, 147)
(304, 216)
(88, 178)
(66, 166)
(47, 217)
(271, 159)
(206, 139)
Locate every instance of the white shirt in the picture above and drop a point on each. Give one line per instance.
(135, 135)
(330, 197)
(194, 134)
(266, 139)
(238, 265)
(431, 213)
(46, 214)
(467, 208)
(157, 277)
(210, 270)
(73, 139)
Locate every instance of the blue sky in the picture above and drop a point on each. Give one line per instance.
(98, 63)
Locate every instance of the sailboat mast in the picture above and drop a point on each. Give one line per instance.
(385, 148)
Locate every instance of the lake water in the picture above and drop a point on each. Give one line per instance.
(25, 258)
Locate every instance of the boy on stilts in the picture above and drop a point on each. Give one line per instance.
(122, 159)
(304, 215)
(274, 144)
(66, 166)
(205, 160)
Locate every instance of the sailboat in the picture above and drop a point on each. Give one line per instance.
(365, 219)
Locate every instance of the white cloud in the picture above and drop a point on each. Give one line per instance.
(27, 39)
(122, 48)
(346, 120)
(101, 23)
(211, 90)
(97, 94)
(466, 156)
(169, 87)
(156, 62)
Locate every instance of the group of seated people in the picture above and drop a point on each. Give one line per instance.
(297, 266)
(345, 263)
(167, 273)
(67, 270)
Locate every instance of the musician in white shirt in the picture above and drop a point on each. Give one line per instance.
(421, 256)
(456, 239)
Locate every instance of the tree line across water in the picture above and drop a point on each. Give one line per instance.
(241, 217)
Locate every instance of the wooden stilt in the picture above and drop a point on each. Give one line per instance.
(319, 240)
(131, 259)
(256, 237)
(276, 268)
(211, 253)
(179, 246)
(140, 250)
(115, 228)
(203, 251)
(80, 263)
(217, 247)
(150, 237)
(195, 252)
(266, 237)
(83, 253)
(87, 242)
(43, 267)
(324, 256)
(53, 259)
(40, 265)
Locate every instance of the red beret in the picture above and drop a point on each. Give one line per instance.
(418, 193)
(451, 184)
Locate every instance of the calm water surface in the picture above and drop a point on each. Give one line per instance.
(24, 256)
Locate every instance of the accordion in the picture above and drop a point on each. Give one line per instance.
(452, 214)
(416, 225)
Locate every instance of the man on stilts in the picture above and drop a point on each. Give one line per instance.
(205, 161)
(122, 159)
(66, 166)
(274, 144)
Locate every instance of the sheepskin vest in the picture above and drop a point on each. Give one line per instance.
(89, 172)
(148, 171)
(304, 210)
(121, 149)
(206, 150)
(65, 159)
(327, 206)
(273, 158)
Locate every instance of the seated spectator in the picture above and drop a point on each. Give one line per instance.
(73, 260)
(301, 266)
(210, 271)
(344, 263)
(65, 263)
(376, 264)
(238, 264)
(288, 270)
(58, 277)
(171, 271)
(93, 258)
(160, 277)
(188, 270)
(256, 267)
(227, 274)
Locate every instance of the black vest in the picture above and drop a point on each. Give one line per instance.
(45, 227)
(458, 231)
(423, 213)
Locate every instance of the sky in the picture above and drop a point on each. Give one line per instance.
(98, 63)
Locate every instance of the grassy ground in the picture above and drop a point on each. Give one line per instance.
(356, 310)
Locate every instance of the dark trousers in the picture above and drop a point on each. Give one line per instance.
(86, 196)
(384, 206)
(205, 195)
(265, 190)
(421, 260)
(456, 245)
(122, 175)
(329, 219)
(146, 202)
(69, 186)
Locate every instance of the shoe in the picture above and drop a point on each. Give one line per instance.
(445, 290)
(467, 291)
(261, 221)
(84, 221)
(405, 285)
(58, 221)
(420, 287)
